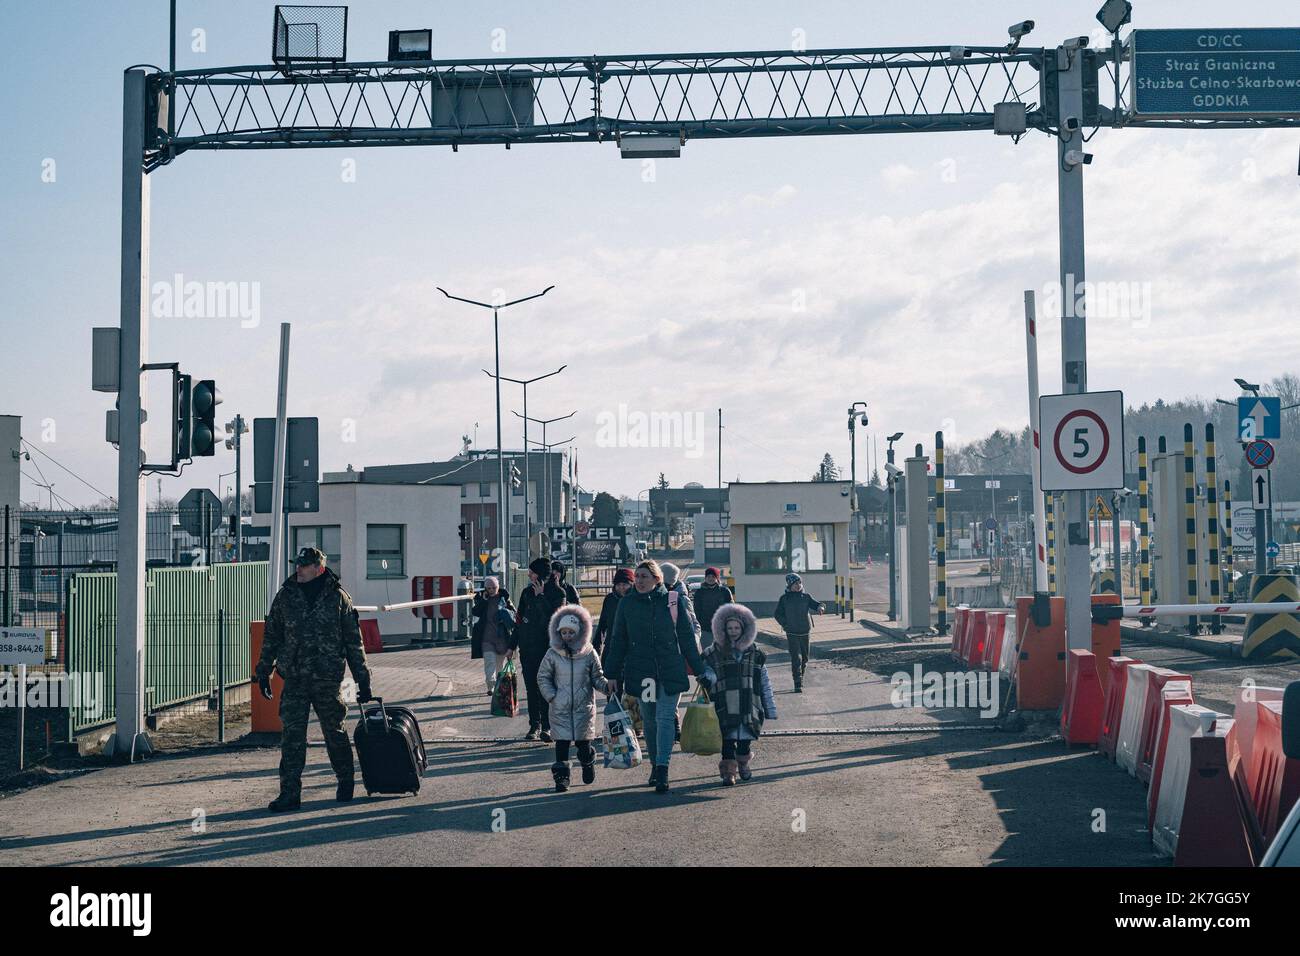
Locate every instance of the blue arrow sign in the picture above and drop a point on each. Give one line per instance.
(1222, 72)
(1272, 549)
(1258, 417)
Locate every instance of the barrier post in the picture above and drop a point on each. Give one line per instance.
(941, 537)
(1051, 543)
(1212, 525)
(1228, 584)
(1189, 516)
(851, 617)
(1144, 526)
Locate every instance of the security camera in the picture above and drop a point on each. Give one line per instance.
(1075, 43)
(864, 420)
(892, 469)
(1077, 157)
(1072, 124)
(844, 492)
(1021, 29)
(956, 53)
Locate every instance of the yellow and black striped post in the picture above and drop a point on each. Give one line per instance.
(1189, 519)
(1272, 635)
(1212, 525)
(940, 537)
(1144, 526)
(851, 617)
(1051, 543)
(1228, 584)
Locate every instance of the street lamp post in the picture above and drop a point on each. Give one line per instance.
(525, 382)
(853, 469)
(503, 533)
(893, 523)
(546, 451)
(546, 493)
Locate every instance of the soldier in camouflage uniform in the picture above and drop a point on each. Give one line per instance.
(311, 631)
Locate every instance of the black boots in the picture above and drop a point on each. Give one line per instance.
(560, 771)
(546, 737)
(660, 778)
(283, 803)
(588, 770)
(344, 792)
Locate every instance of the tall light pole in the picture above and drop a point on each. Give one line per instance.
(236, 428)
(503, 533)
(546, 519)
(853, 467)
(525, 382)
(893, 522)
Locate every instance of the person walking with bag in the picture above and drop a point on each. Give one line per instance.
(494, 620)
(537, 602)
(569, 677)
(794, 613)
(742, 690)
(650, 650)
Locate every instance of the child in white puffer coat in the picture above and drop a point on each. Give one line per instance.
(569, 676)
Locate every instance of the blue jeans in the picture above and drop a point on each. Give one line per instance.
(660, 720)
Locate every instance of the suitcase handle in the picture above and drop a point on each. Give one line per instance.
(382, 711)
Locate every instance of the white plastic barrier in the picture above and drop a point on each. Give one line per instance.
(1007, 656)
(1245, 714)
(1130, 724)
(1185, 722)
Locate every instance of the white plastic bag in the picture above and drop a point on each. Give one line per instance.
(622, 752)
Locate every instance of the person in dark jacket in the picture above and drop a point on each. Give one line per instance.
(489, 637)
(605, 626)
(794, 613)
(710, 596)
(570, 593)
(648, 653)
(537, 602)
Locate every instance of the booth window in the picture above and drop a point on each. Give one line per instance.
(781, 548)
(384, 543)
(325, 537)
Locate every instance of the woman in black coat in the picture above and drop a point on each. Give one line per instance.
(537, 602)
(494, 621)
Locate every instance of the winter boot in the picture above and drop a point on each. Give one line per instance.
(560, 771)
(344, 792)
(727, 771)
(661, 779)
(284, 802)
(588, 769)
(742, 762)
(546, 737)
(532, 733)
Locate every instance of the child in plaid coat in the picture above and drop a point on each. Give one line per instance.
(742, 693)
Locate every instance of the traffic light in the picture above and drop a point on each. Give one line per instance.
(464, 534)
(204, 399)
(516, 481)
(183, 429)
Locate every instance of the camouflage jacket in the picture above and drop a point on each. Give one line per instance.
(313, 641)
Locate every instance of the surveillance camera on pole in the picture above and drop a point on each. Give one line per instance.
(1077, 157)
(1017, 32)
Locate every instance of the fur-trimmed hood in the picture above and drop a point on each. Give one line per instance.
(584, 630)
(749, 625)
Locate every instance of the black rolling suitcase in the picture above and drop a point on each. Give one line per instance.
(390, 748)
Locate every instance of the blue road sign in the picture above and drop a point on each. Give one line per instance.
(1272, 549)
(1258, 417)
(1220, 72)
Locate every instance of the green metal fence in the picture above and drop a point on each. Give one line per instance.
(182, 614)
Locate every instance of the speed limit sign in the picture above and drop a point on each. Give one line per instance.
(1081, 441)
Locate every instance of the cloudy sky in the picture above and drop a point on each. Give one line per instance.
(778, 279)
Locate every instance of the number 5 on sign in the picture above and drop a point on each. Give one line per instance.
(1081, 444)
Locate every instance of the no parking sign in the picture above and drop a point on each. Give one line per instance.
(1082, 441)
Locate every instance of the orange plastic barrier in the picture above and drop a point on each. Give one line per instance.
(1105, 638)
(1218, 826)
(266, 713)
(1081, 712)
(1175, 693)
(961, 621)
(1152, 714)
(370, 639)
(1113, 710)
(997, 627)
(1273, 777)
(976, 635)
(1040, 675)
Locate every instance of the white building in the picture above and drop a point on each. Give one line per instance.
(779, 527)
(376, 536)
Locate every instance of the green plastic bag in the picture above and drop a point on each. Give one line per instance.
(701, 732)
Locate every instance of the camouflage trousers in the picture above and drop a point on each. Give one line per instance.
(296, 701)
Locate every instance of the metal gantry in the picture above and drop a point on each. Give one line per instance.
(596, 99)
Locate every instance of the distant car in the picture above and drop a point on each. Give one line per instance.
(694, 582)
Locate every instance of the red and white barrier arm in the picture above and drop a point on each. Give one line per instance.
(1111, 612)
(427, 602)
